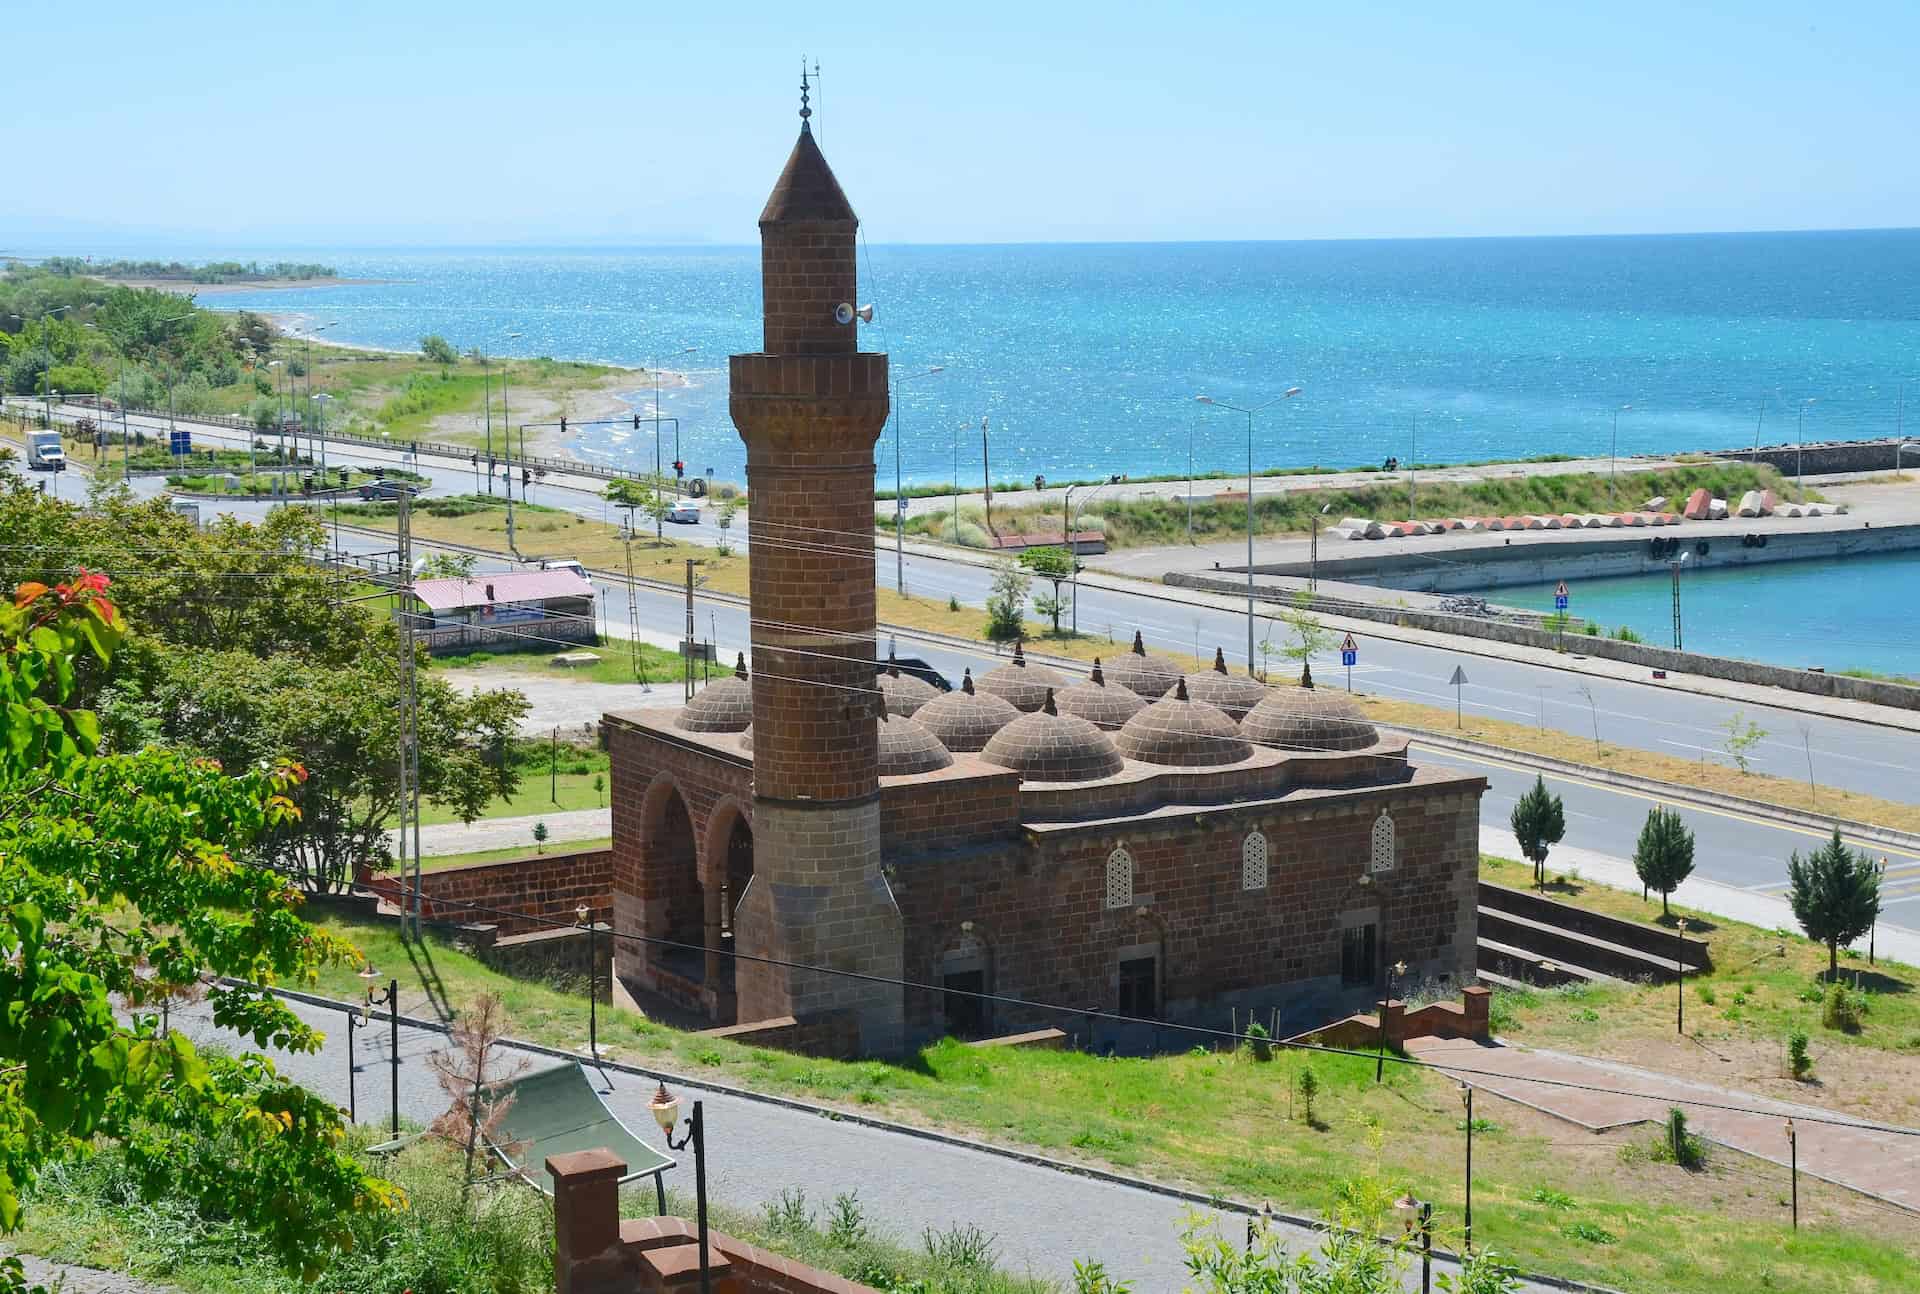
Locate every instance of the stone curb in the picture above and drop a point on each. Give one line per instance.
(910, 1130)
(1888, 837)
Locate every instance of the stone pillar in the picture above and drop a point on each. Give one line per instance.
(588, 1257)
(1393, 1022)
(809, 408)
(1477, 1002)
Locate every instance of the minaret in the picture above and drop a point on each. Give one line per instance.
(809, 406)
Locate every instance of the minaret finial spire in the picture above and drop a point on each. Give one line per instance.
(806, 127)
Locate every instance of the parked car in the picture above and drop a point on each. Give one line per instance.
(686, 513)
(919, 669)
(388, 490)
(565, 564)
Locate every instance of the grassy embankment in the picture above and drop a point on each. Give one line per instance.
(1135, 523)
(554, 533)
(1226, 1122)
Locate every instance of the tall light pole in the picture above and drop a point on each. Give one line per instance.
(1210, 401)
(1413, 466)
(1899, 453)
(1677, 563)
(1800, 445)
(899, 500)
(1073, 550)
(307, 363)
(986, 479)
(506, 444)
(654, 367)
(1613, 453)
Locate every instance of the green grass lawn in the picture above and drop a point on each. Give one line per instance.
(435, 862)
(1226, 1122)
(575, 792)
(616, 663)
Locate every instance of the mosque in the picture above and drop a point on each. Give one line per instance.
(1145, 841)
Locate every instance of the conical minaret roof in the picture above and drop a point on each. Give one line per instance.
(806, 190)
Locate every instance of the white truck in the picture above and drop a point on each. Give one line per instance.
(44, 453)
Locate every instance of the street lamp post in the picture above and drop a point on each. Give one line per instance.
(666, 1112)
(1676, 564)
(1209, 400)
(391, 1000)
(1073, 551)
(1394, 972)
(1680, 976)
(1613, 454)
(899, 500)
(593, 985)
(1873, 932)
(1800, 445)
(1418, 1213)
(1466, 1098)
(506, 446)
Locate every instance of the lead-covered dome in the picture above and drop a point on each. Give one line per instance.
(1236, 694)
(904, 693)
(1103, 704)
(1308, 718)
(1181, 732)
(1022, 684)
(1147, 674)
(906, 747)
(722, 706)
(965, 720)
(1047, 746)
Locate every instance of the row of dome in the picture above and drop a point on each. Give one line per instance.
(1036, 721)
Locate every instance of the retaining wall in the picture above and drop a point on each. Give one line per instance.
(1826, 456)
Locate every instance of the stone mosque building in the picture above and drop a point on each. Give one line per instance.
(1143, 841)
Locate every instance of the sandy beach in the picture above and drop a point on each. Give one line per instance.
(184, 287)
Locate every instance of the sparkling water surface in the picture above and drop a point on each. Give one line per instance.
(1085, 359)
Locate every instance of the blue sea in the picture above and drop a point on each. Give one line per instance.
(1085, 359)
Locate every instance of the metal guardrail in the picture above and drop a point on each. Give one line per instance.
(438, 449)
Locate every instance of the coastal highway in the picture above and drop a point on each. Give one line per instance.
(1863, 757)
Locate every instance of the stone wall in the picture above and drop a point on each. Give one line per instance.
(1874, 691)
(518, 896)
(1826, 456)
(1035, 917)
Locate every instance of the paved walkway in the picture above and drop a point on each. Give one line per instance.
(508, 833)
(1041, 1217)
(1883, 1164)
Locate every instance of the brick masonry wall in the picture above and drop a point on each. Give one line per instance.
(1043, 930)
(525, 890)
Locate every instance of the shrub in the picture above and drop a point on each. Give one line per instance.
(1797, 1059)
(787, 1212)
(1626, 634)
(846, 1221)
(1259, 1041)
(1591, 1232)
(1551, 1198)
(1307, 1084)
(1842, 1008)
(1676, 1145)
(1707, 994)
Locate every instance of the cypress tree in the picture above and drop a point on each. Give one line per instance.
(1538, 822)
(1663, 857)
(1835, 893)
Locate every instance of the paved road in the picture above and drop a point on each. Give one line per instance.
(1043, 1218)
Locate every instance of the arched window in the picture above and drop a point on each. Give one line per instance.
(1382, 859)
(1253, 862)
(1120, 879)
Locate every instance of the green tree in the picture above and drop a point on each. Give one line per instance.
(1538, 822)
(119, 880)
(723, 519)
(540, 834)
(342, 722)
(1056, 564)
(1742, 736)
(1835, 893)
(449, 566)
(1309, 636)
(1663, 856)
(1007, 601)
(438, 350)
(628, 494)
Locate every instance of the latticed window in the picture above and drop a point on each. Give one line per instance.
(1253, 862)
(1119, 879)
(1382, 860)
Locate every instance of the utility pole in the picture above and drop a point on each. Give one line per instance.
(633, 610)
(686, 647)
(404, 617)
(486, 398)
(986, 475)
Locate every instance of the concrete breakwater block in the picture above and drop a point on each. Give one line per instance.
(1355, 523)
(1769, 503)
(1749, 505)
(1655, 504)
(1698, 504)
(1716, 510)
(1614, 520)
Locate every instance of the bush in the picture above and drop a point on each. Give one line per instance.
(1842, 1008)
(1676, 1145)
(437, 351)
(1626, 634)
(1591, 1232)
(1797, 1059)
(1307, 1084)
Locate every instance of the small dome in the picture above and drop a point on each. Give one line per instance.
(1048, 746)
(907, 747)
(904, 693)
(1026, 686)
(1184, 733)
(1308, 718)
(1149, 674)
(1103, 704)
(964, 721)
(722, 706)
(1236, 694)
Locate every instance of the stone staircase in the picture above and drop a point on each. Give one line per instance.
(1527, 938)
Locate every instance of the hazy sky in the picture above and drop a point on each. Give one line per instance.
(418, 122)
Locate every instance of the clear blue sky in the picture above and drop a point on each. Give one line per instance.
(420, 122)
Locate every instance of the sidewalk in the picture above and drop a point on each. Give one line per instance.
(507, 833)
(1885, 1165)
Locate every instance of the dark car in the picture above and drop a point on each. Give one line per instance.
(918, 668)
(388, 490)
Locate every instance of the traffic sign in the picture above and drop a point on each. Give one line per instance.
(1349, 658)
(1560, 596)
(1457, 682)
(1459, 677)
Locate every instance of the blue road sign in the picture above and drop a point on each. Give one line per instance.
(1560, 602)
(1349, 658)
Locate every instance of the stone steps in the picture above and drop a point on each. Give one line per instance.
(1543, 941)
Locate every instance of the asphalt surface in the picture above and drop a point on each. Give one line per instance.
(1731, 847)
